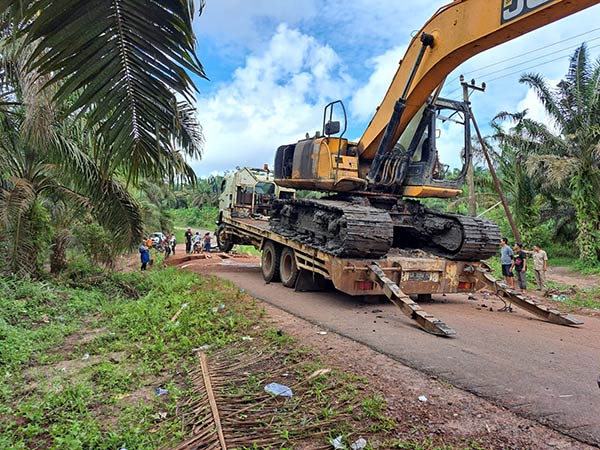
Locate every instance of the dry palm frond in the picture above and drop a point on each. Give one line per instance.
(249, 416)
(553, 171)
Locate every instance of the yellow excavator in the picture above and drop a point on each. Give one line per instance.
(373, 182)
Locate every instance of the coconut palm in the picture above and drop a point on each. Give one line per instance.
(565, 158)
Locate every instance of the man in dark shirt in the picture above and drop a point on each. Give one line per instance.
(520, 266)
(188, 241)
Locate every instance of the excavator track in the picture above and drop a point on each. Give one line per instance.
(480, 237)
(340, 228)
(363, 227)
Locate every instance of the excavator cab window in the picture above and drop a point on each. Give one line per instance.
(436, 124)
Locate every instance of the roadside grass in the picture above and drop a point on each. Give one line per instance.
(587, 298)
(82, 357)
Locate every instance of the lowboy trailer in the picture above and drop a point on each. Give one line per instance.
(398, 275)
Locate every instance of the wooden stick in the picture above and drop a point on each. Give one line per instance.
(211, 397)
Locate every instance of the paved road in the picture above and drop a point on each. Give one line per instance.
(539, 370)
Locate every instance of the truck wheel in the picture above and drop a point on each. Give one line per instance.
(224, 246)
(271, 255)
(287, 268)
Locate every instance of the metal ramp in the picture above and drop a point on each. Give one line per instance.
(435, 326)
(393, 292)
(534, 307)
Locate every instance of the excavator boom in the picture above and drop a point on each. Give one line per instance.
(460, 30)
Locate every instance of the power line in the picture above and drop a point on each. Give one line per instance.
(525, 69)
(537, 65)
(530, 52)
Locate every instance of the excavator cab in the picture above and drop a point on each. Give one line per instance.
(323, 162)
(426, 175)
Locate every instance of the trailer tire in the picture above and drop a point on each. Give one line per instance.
(224, 246)
(271, 255)
(288, 269)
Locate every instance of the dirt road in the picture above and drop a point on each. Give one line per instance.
(539, 370)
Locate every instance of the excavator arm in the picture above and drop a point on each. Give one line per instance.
(454, 34)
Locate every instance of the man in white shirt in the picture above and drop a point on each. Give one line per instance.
(540, 264)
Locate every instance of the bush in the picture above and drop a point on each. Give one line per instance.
(96, 243)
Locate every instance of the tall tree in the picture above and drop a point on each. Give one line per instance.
(566, 155)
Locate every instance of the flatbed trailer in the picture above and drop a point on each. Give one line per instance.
(398, 275)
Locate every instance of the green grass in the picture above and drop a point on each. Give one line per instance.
(82, 356)
(137, 348)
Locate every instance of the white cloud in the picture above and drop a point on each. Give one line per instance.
(367, 98)
(274, 99)
(535, 108)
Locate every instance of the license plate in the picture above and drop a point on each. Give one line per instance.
(419, 276)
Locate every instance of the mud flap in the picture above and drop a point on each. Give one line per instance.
(310, 282)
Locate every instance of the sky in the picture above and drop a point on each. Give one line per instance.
(274, 64)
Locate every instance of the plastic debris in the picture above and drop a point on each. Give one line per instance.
(359, 444)
(161, 391)
(242, 291)
(222, 306)
(86, 356)
(279, 390)
(486, 296)
(322, 333)
(422, 398)
(247, 338)
(215, 309)
(337, 443)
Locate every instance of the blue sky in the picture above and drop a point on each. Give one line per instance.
(274, 64)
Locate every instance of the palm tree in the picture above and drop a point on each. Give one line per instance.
(566, 159)
(126, 66)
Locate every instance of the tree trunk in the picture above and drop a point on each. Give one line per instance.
(588, 220)
(58, 258)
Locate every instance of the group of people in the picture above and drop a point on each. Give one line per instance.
(517, 260)
(194, 243)
(167, 243)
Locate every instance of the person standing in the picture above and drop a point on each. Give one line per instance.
(206, 242)
(144, 256)
(188, 241)
(167, 247)
(173, 243)
(506, 259)
(520, 266)
(540, 265)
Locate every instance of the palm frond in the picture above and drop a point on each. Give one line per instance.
(124, 62)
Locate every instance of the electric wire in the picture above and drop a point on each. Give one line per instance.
(531, 52)
(504, 69)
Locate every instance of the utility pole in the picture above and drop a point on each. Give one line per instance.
(470, 167)
(511, 221)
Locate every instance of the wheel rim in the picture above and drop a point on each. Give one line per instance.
(286, 266)
(268, 259)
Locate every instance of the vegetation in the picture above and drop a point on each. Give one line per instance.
(551, 171)
(83, 355)
(89, 125)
